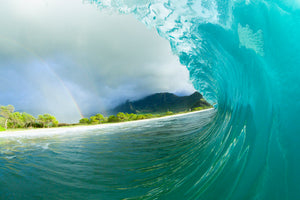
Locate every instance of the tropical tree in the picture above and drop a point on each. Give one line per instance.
(100, 118)
(28, 120)
(5, 112)
(47, 120)
(94, 120)
(141, 117)
(16, 120)
(112, 118)
(131, 116)
(122, 117)
(149, 115)
(105, 120)
(84, 121)
(2, 121)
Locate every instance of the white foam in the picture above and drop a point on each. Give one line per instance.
(251, 40)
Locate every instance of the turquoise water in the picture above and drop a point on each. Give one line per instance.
(243, 55)
(142, 160)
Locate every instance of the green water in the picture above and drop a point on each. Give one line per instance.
(138, 160)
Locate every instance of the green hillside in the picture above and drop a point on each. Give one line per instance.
(162, 102)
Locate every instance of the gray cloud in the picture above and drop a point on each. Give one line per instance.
(51, 47)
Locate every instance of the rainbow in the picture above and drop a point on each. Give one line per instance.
(49, 68)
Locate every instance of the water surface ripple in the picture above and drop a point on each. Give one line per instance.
(138, 160)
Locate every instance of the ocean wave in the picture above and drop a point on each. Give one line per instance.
(244, 57)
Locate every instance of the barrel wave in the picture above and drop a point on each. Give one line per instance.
(244, 57)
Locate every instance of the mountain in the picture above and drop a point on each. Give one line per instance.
(162, 102)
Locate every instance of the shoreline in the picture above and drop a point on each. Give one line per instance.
(58, 130)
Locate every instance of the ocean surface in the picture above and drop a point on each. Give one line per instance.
(137, 160)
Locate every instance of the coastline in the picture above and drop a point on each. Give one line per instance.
(59, 130)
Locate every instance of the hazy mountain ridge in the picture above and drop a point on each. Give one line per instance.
(162, 102)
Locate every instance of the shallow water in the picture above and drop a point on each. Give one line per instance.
(141, 160)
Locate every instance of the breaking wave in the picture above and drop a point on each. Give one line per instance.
(244, 57)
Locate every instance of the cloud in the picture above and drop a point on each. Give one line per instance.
(65, 50)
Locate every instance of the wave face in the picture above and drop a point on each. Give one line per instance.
(242, 55)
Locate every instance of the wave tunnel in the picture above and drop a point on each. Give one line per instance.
(244, 57)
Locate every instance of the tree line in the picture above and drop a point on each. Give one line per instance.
(11, 119)
(120, 117)
(124, 117)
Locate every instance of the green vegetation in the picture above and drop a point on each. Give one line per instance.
(5, 112)
(201, 108)
(47, 120)
(169, 113)
(12, 120)
(2, 129)
(84, 121)
(125, 117)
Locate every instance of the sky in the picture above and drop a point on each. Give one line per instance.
(67, 58)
